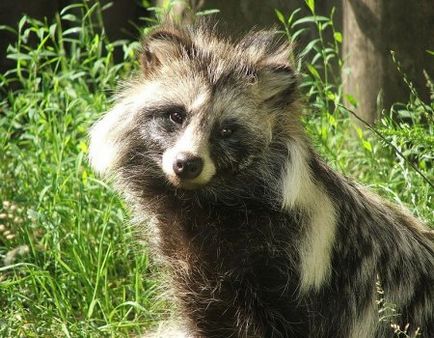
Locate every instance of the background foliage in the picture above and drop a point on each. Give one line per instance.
(68, 266)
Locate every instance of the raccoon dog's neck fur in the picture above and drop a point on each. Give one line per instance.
(262, 239)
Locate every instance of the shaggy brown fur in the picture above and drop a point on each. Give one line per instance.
(261, 237)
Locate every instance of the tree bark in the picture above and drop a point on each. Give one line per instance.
(374, 28)
(243, 15)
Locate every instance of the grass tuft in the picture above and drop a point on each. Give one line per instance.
(67, 265)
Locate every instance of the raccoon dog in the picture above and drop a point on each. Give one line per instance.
(261, 238)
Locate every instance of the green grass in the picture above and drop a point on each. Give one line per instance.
(69, 263)
(80, 276)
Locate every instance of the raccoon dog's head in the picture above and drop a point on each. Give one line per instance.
(205, 112)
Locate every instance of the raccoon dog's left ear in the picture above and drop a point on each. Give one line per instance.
(273, 59)
(277, 83)
(163, 46)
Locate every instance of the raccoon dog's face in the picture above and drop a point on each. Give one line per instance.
(203, 113)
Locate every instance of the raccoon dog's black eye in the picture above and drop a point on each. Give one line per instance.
(177, 117)
(226, 132)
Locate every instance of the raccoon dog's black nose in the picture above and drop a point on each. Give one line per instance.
(187, 165)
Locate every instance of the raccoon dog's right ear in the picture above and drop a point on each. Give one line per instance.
(163, 46)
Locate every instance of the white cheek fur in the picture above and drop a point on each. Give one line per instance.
(103, 150)
(105, 135)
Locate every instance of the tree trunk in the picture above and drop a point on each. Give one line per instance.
(243, 15)
(372, 29)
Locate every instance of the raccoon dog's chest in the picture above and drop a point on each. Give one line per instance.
(236, 265)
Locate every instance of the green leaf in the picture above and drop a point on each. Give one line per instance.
(107, 6)
(332, 120)
(311, 5)
(331, 96)
(310, 46)
(367, 145)
(351, 99)
(359, 132)
(18, 56)
(338, 37)
(72, 30)
(313, 71)
(8, 28)
(83, 147)
(67, 8)
(84, 176)
(208, 12)
(292, 16)
(313, 19)
(22, 22)
(280, 16)
(297, 33)
(52, 30)
(69, 17)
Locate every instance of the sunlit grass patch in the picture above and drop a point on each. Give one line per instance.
(69, 265)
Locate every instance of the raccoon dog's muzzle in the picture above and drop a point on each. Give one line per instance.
(188, 164)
